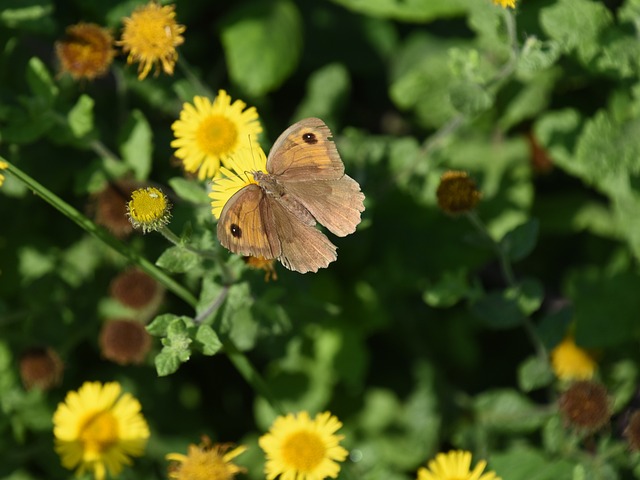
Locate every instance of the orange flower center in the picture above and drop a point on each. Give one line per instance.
(303, 451)
(216, 135)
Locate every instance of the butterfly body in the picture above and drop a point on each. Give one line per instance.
(304, 184)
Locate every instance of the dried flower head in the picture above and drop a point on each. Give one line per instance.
(150, 37)
(585, 405)
(149, 209)
(541, 162)
(136, 289)
(109, 207)
(632, 431)
(205, 461)
(457, 193)
(86, 51)
(40, 368)
(124, 341)
(259, 263)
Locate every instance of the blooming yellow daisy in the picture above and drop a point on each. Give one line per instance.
(455, 465)
(208, 133)
(505, 3)
(97, 429)
(570, 362)
(149, 209)
(239, 174)
(298, 448)
(212, 462)
(150, 36)
(3, 166)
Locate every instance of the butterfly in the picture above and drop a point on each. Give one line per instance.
(305, 184)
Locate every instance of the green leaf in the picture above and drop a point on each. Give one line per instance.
(508, 411)
(417, 11)
(598, 295)
(263, 37)
(534, 373)
(209, 340)
(237, 319)
(498, 310)
(33, 15)
(576, 24)
(622, 383)
(176, 346)
(166, 363)
(136, 144)
(470, 98)
(530, 294)
(40, 81)
(178, 260)
(158, 326)
(80, 117)
(537, 55)
(452, 287)
(527, 463)
(520, 242)
(553, 327)
(532, 99)
(327, 92)
(189, 190)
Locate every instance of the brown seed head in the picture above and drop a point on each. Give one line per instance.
(40, 368)
(585, 405)
(457, 193)
(124, 341)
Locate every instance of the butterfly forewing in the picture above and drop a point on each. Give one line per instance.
(303, 248)
(246, 224)
(305, 151)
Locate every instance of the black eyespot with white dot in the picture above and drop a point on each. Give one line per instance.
(309, 138)
(236, 231)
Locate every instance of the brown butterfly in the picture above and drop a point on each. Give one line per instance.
(305, 184)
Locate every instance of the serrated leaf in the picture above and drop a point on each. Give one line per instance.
(40, 81)
(537, 55)
(136, 144)
(576, 24)
(158, 326)
(416, 11)
(264, 38)
(508, 411)
(166, 363)
(520, 242)
(80, 117)
(189, 190)
(470, 98)
(534, 373)
(497, 310)
(209, 340)
(178, 260)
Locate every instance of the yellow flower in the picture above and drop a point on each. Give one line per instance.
(239, 175)
(299, 448)
(151, 36)
(208, 133)
(455, 465)
(86, 51)
(3, 166)
(260, 263)
(97, 429)
(212, 462)
(505, 3)
(570, 362)
(457, 193)
(148, 209)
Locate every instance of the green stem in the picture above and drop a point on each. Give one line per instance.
(507, 272)
(101, 234)
(193, 78)
(240, 361)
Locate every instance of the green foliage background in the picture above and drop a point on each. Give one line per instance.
(419, 337)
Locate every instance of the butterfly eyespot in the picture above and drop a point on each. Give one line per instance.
(309, 138)
(236, 231)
